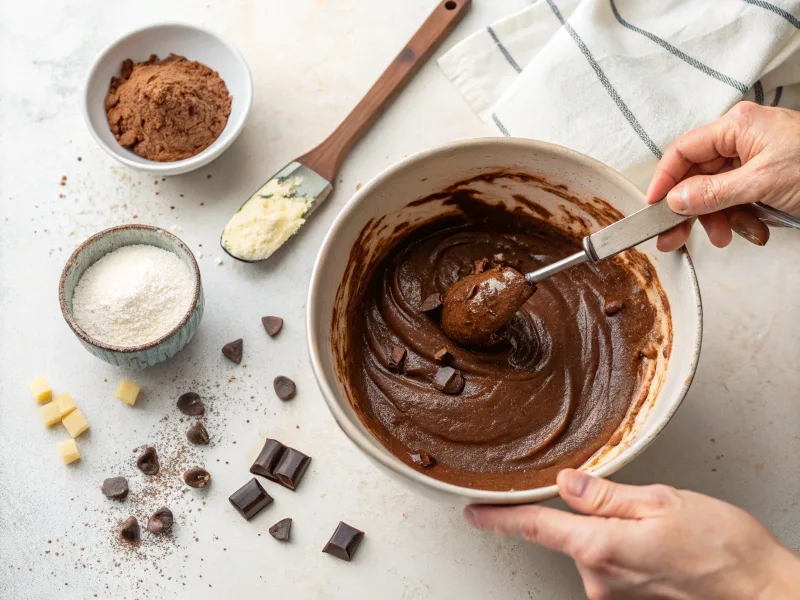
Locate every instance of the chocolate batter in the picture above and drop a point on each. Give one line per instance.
(542, 394)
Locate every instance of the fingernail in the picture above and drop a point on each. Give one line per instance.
(678, 199)
(577, 483)
(469, 516)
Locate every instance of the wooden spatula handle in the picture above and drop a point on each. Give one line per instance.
(325, 158)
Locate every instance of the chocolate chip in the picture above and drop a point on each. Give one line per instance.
(250, 499)
(448, 380)
(148, 461)
(233, 351)
(441, 353)
(423, 459)
(284, 387)
(281, 530)
(127, 68)
(479, 266)
(160, 521)
(130, 530)
(344, 542)
(197, 434)
(291, 468)
(115, 488)
(191, 404)
(273, 325)
(196, 477)
(613, 306)
(396, 359)
(430, 303)
(268, 458)
(665, 352)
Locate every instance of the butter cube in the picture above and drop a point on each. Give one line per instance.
(40, 389)
(65, 404)
(127, 392)
(68, 450)
(75, 423)
(50, 413)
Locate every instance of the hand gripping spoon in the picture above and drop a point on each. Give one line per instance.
(278, 209)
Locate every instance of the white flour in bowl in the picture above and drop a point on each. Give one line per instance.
(133, 295)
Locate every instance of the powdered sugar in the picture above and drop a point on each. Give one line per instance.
(133, 295)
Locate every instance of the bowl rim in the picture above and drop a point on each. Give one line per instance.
(187, 164)
(389, 461)
(66, 310)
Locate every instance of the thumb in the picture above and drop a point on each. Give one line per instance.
(704, 194)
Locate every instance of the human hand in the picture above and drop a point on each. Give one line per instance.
(652, 542)
(748, 155)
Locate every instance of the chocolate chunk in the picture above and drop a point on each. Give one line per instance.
(130, 530)
(127, 68)
(281, 530)
(613, 306)
(344, 541)
(273, 325)
(268, 459)
(197, 434)
(148, 461)
(291, 468)
(233, 351)
(422, 459)
(479, 266)
(430, 303)
(665, 352)
(250, 499)
(284, 387)
(115, 488)
(448, 380)
(396, 359)
(196, 477)
(160, 521)
(190, 404)
(441, 354)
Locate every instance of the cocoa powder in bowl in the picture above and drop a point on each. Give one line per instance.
(167, 110)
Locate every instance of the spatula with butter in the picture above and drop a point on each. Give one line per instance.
(280, 207)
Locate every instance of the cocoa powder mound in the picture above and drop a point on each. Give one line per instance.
(167, 110)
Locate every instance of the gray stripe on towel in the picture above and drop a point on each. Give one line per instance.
(777, 10)
(500, 126)
(776, 100)
(758, 89)
(504, 50)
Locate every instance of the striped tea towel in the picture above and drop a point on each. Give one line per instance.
(621, 79)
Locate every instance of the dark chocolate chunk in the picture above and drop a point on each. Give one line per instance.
(284, 387)
(291, 468)
(115, 488)
(160, 521)
(430, 303)
(665, 352)
(613, 306)
(423, 459)
(233, 351)
(130, 530)
(197, 477)
(197, 434)
(480, 265)
(273, 325)
(448, 380)
(250, 499)
(281, 530)
(148, 461)
(396, 359)
(268, 458)
(190, 404)
(344, 541)
(441, 354)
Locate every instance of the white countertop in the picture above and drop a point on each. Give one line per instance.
(737, 435)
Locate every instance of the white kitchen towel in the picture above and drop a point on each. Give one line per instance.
(621, 79)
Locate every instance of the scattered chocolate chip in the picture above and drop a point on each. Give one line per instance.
(448, 380)
(148, 461)
(649, 352)
(115, 488)
(197, 434)
(191, 404)
(396, 359)
(273, 325)
(344, 541)
(665, 351)
(127, 68)
(291, 468)
(233, 351)
(479, 266)
(430, 303)
(268, 458)
(441, 353)
(281, 530)
(423, 459)
(160, 521)
(613, 306)
(284, 387)
(130, 530)
(196, 477)
(250, 499)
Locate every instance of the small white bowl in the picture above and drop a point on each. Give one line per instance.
(185, 40)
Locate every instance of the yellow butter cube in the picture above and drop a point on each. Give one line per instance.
(40, 389)
(127, 392)
(50, 414)
(75, 423)
(65, 404)
(68, 450)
